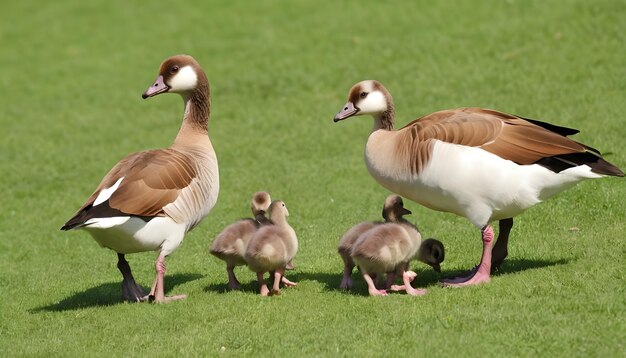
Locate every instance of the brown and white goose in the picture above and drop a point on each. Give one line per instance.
(388, 248)
(149, 200)
(393, 210)
(271, 248)
(478, 163)
(230, 244)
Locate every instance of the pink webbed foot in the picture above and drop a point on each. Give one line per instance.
(377, 292)
(371, 287)
(407, 278)
(480, 274)
(415, 291)
(287, 282)
(263, 289)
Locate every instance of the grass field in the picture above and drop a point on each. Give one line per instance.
(72, 74)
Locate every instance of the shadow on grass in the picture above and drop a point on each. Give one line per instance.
(107, 294)
(425, 277)
(251, 286)
(514, 265)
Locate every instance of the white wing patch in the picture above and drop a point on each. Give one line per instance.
(105, 194)
(106, 223)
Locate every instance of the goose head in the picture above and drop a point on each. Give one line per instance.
(178, 74)
(394, 209)
(278, 210)
(366, 97)
(431, 252)
(260, 203)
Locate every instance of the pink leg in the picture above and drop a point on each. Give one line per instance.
(410, 274)
(233, 283)
(278, 277)
(407, 278)
(287, 282)
(481, 274)
(371, 288)
(262, 285)
(158, 289)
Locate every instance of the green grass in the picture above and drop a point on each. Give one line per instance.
(72, 73)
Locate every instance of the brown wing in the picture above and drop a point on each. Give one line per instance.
(152, 179)
(507, 136)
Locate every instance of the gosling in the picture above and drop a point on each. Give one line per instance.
(271, 248)
(230, 245)
(393, 211)
(388, 248)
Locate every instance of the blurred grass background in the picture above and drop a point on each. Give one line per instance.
(72, 73)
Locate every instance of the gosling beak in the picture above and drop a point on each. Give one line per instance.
(158, 87)
(406, 211)
(348, 110)
(437, 268)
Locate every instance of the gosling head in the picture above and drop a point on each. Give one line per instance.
(178, 74)
(366, 97)
(260, 203)
(278, 210)
(394, 209)
(432, 253)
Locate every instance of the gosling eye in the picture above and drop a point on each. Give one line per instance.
(174, 69)
(363, 94)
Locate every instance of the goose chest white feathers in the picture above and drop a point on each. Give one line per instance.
(230, 244)
(478, 163)
(149, 200)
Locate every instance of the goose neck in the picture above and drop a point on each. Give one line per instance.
(384, 120)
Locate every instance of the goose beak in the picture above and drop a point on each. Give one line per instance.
(437, 268)
(406, 211)
(348, 110)
(159, 86)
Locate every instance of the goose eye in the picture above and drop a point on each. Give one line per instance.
(174, 69)
(363, 94)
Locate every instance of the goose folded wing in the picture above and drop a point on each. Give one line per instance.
(505, 135)
(151, 180)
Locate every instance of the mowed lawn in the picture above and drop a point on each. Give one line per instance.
(72, 74)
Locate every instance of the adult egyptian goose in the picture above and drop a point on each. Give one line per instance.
(230, 244)
(393, 209)
(478, 163)
(388, 248)
(151, 199)
(271, 248)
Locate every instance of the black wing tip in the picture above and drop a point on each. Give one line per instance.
(564, 131)
(72, 224)
(598, 165)
(603, 167)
